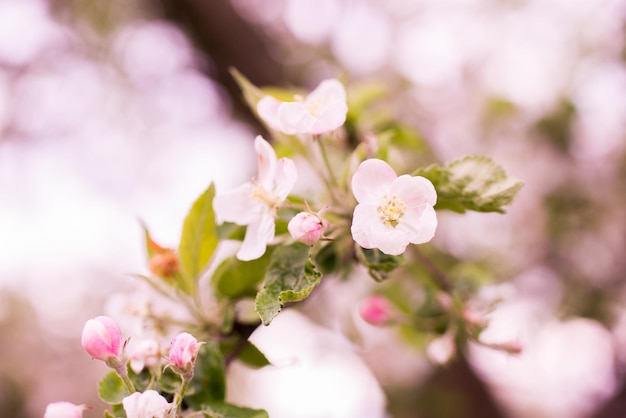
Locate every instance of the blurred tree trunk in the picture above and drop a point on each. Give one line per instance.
(229, 41)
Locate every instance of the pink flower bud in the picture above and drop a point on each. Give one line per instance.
(306, 227)
(102, 339)
(183, 352)
(148, 404)
(375, 310)
(64, 410)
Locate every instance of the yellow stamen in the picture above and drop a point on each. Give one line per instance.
(391, 211)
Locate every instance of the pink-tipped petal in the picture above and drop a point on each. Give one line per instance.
(267, 108)
(266, 160)
(372, 180)
(332, 117)
(294, 118)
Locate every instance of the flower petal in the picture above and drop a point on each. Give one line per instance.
(414, 191)
(266, 160)
(327, 91)
(294, 118)
(364, 216)
(419, 225)
(392, 241)
(258, 234)
(286, 176)
(237, 205)
(267, 108)
(372, 180)
(331, 117)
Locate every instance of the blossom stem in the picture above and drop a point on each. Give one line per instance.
(123, 374)
(438, 276)
(331, 182)
(181, 393)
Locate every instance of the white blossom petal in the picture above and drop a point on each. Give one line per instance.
(419, 226)
(258, 234)
(414, 191)
(267, 108)
(372, 180)
(286, 176)
(266, 160)
(237, 205)
(332, 117)
(392, 241)
(362, 220)
(328, 91)
(294, 118)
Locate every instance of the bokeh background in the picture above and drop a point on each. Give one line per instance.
(120, 111)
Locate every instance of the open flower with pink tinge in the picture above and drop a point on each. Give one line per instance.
(323, 110)
(255, 203)
(64, 410)
(148, 404)
(392, 211)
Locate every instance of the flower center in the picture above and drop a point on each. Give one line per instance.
(259, 193)
(391, 211)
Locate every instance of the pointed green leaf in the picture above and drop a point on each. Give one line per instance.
(111, 389)
(251, 93)
(225, 410)
(378, 264)
(198, 240)
(472, 183)
(252, 356)
(209, 380)
(234, 278)
(290, 277)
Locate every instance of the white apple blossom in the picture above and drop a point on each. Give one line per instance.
(323, 110)
(392, 211)
(148, 404)
(254, 203)
(64, 410)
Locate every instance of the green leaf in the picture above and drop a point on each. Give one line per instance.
(472, 183)
(290, 277)
(117, 411)
(251, 93)
(252, 356)
(225, 410)
(198, 240)
(169, 381)
(111, 389)
(209, 380)
(378, 264)
(234, 278)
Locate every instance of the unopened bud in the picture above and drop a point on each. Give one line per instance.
(183, 352)
(376, 310)
(306, 227)
(102, 339)
(164, 264)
